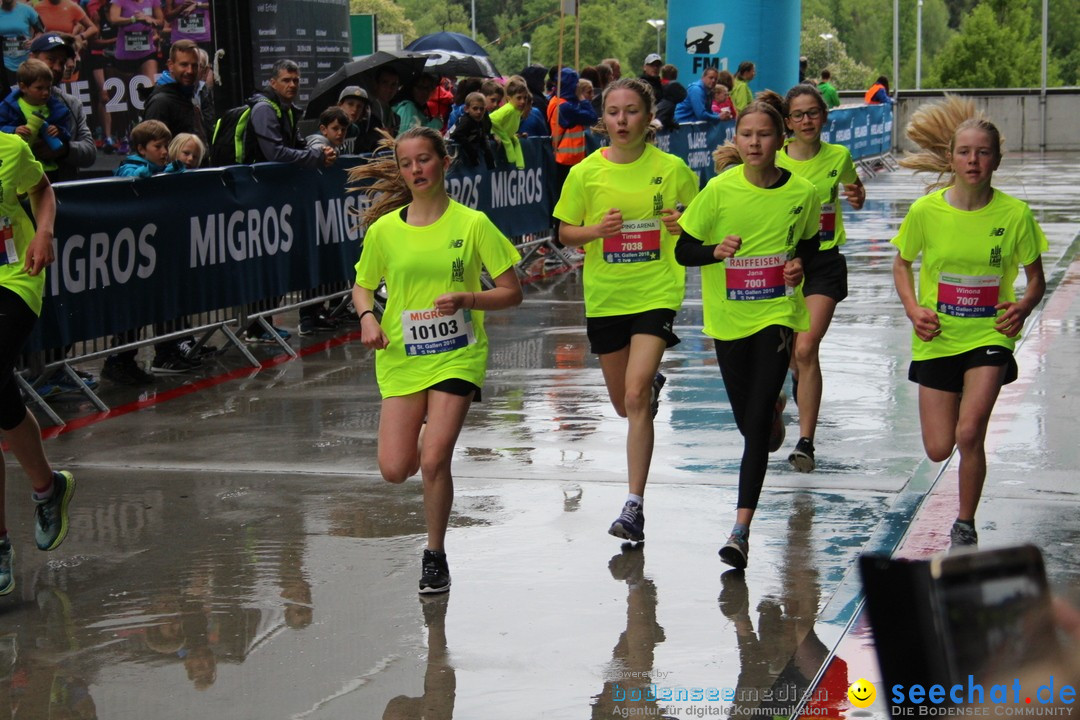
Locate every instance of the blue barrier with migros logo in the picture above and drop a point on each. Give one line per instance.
(133, 252)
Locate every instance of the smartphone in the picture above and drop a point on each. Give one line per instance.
(992, 609)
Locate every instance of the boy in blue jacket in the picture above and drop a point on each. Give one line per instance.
(150, 141)
(33, 113)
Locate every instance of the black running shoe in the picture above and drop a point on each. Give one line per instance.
(802, 457)
(435, 573)
(736, 551)
(657, 386)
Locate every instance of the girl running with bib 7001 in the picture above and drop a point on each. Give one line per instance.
(972, 240)
(432, 348)
(620, 204)
(743, 229)
(827, 166)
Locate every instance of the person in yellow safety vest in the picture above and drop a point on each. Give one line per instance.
(878, 92)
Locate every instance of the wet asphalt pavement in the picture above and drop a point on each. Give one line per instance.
(234, 554)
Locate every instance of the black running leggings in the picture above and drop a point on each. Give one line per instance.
(16, 322)
(754, 369)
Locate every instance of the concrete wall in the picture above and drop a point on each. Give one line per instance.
(1015, 112)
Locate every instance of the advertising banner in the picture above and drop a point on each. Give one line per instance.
(724, 33)
(261, 231)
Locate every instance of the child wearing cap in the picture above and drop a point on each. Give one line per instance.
(362, 135)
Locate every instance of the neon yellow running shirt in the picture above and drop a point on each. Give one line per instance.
(19, 172)
(746, 293)
(420, 264)
(636, 270)
(969, 264)
(831, 166)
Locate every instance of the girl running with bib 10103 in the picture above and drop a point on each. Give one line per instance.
(431, 346)
(23, 257)
(620, 203)
(828, 167)
(744, 229)
(971, 240)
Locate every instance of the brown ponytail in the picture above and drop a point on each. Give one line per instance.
(388, 190)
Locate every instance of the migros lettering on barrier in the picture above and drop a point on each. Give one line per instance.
(466, 190)
(337, 219)
(100, 260)
(240, 235)
(511, 188)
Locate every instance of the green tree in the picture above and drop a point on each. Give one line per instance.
(936, 34)
(432, 16)
(830, 52)
(1064, 27)
(390, 16)
(994, 49)
(859, 24)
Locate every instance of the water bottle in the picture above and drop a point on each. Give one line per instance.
(55, 144)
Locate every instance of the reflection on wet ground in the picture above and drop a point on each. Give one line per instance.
(233, 553)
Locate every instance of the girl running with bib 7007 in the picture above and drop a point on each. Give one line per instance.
(432, 348)
(620, 204)
(743, 229)
(972, 240)
(827, 166)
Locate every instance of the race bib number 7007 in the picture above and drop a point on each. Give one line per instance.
(968, 296)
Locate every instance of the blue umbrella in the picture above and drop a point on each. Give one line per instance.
(452, 41)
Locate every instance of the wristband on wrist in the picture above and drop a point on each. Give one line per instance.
(366, 312)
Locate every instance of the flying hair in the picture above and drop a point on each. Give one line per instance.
(934, 128)
(385, 186)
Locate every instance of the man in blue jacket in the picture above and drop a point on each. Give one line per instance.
(698, 103)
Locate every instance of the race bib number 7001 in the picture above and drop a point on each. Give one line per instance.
(755, 278)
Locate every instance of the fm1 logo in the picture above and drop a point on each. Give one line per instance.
(703, 41)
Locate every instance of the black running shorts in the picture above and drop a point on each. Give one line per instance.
(613, 332)
(947, 373)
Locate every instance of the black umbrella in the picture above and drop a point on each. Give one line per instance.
(445, 62)
(408, 66)
(451, 53)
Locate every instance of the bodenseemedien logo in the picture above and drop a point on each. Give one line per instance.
(1052, 699)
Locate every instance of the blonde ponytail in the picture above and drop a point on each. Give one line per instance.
(934, 127)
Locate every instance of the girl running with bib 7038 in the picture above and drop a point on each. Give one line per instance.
(827, 166)
(743, 229)
(432, 348)
(971, 239)
(620, 204)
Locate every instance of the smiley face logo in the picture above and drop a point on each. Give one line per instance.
(862, 693)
